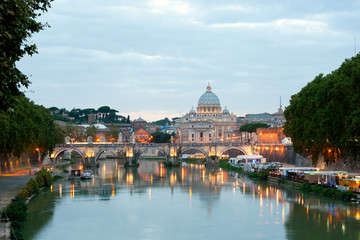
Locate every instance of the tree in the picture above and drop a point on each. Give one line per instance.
(28, 127)
(160, 137)
(162, 122)
(69, 129)
(17, 25)
(91, 132)
(251, 127)
(324, 117)
(113, 132)
(59, 137)
(104, 109)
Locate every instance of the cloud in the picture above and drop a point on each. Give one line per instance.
(139, 56)
(162, 6)
(298, 25)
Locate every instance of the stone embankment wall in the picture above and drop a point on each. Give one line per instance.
(12, 163)
(278, 154)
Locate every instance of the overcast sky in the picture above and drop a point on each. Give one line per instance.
(154, 58)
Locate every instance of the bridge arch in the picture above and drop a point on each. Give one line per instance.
(101, 151)
(195, 148)
(68, 149)
(142, 150)
(243, 151)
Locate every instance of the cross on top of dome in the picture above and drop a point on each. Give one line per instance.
(208, 88)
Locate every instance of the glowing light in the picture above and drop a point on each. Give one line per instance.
(72, 191)
(357, 216)
(60, 190)
(307, 210)
(51, 188)
(283, 214)
(129, 178)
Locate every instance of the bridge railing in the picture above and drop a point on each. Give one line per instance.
(106, 144)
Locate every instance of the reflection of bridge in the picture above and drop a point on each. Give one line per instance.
(90, 152)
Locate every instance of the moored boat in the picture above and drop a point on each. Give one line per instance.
(75, 174)
(87, 174)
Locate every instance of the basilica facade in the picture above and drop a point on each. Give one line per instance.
(208, 123)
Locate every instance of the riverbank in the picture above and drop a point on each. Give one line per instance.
(15, 195)
(10, 184)
(263, 175)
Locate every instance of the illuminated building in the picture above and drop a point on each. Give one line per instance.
(208, 123)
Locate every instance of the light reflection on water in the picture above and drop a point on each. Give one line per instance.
(193, 202)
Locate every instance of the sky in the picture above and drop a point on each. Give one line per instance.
(155, 58)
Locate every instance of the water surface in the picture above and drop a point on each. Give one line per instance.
(191, 202)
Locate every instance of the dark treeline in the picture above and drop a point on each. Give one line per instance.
(103, 114)
(26, 128)
(251, 127)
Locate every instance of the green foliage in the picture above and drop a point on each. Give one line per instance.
(251, 127)
(17, 213)
(281, 181)
(160, 137)
(24, 194)
(195, 160)
(134, 162)
(223, 164)
(113, 132)
(262, 175)
(91, 132)
(328, 192)
(59, 137)
(168, 164)
(32, 186)
(104, 109)
(28, 127)
(17, 25)
(44, 178)
(75, 132)
(324, 117)
(162, 122)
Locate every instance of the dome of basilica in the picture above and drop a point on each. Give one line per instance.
(192, 111)
(226, 111)
(209, 98)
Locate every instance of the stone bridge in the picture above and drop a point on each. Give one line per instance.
(90, 152)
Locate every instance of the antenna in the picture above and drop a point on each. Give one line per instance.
(280, 103)
(355, 45)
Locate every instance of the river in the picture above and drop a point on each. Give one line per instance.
(191, 202)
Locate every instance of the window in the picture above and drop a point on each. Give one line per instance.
(210, 135)
(201, 134)
(192, 135)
